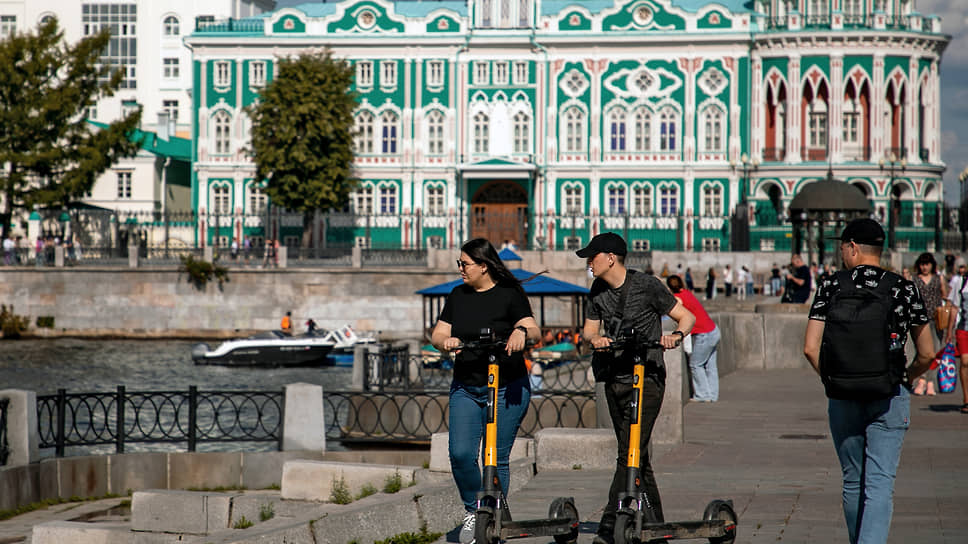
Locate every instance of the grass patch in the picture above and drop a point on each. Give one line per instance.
(340, 493)
(423, 537)
(367, 490)
(393, 483)
(243, 523)
(267, 511)
(576, 466)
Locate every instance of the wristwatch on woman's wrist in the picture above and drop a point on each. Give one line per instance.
(522, 329)
(681, 334)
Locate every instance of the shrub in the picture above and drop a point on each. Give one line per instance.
(340, 494)
(366, 491)
(267, 511)
(200, 272)
(12, 325)
(243, 523)
(393, 483)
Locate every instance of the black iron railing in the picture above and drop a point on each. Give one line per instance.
(193, 417)
(4, 445)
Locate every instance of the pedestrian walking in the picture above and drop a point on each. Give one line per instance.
(620, 299)
(858, 325)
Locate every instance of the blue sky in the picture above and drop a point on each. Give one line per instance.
(954, 86)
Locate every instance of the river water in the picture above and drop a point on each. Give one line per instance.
(81, 366)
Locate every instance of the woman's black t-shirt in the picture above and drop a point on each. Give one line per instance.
(498, 309)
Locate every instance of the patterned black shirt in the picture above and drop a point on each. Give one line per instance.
(908, 307)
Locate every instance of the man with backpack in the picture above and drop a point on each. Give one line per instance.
(855, 339)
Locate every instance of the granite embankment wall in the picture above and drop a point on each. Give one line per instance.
(148, 302)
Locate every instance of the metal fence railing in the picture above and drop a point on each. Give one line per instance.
(193, 417)
(4, 444)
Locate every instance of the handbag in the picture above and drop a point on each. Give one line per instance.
(942, 317)
(947, 369)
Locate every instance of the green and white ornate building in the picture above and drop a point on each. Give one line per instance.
(684, 124)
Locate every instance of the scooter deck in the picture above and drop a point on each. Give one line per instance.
(686, 529)
(537, 527)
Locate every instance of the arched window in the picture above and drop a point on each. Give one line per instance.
(817, 125)
(574, 130)
(434, 200)
(713, 129)
(221, 200)
(522, 132)
(257, 200)
(364, 132)
(362, 199)
(667, 129)
(668, 200)
(171, 26)
(642, 200)
(435, 133)
(481, 132)
(223, 128)
(388, 199)
(389, 135)
(615, 199)
(573, 201)
(712, 200)
(616, 130)
(643, 129)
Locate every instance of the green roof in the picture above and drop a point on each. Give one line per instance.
(177, 148)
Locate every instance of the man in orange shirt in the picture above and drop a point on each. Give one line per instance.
(286, 325)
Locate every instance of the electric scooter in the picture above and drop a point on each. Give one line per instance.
(493, 520)
(635, 520)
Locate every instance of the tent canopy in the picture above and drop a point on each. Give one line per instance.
(539, 285)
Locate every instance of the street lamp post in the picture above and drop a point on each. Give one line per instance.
(741, 223)
(892, 165)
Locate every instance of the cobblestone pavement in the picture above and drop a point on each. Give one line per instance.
(766, 446)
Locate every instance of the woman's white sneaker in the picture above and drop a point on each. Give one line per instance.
(467, 530)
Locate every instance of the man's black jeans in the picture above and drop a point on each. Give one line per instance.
(619, 397)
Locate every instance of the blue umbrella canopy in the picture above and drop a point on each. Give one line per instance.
(539, 285)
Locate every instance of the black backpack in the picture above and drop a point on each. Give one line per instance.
(860, 358)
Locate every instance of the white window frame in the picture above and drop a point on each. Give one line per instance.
(364, 73)
(573, 130)
(501, 73)
(388, 73)
(222, 76)
(221, 199)
(389, 199)
(711, 245)
(668, 133)
(642, 118)
(481, 72)
(171, 108)
(171, 26)
(642, 203)
(362, 199)
(124, 184)
(713, 129)
(520, 72)
(389, 133)
(522, 132)
(668, 200)
(817, 127)
(435, 73)
(641, 244)
(435, 133)
(616, 199)
(8, 25)
(257, 73)
(171, 68)
(434, 201)
(481, 126)
(573, 199)
(257, 199)
(712, 200)
(617, 130)
(365, 131)
(222, 133)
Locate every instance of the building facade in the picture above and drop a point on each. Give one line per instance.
(683, 124)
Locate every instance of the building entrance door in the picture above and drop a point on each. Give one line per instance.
(499, 212)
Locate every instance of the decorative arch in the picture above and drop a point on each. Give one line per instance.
(221, 131)
(894, 98)
(643, 201)
(857, 116)
(711, 193)
(713, 120)
(668, 200)
(776, 116)
(615, 198)
(814, 107)
(572, 197)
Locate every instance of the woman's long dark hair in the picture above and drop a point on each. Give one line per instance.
(925, 258)
(482, 251)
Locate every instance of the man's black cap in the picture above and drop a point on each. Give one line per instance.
(863, 231)
(606, 242)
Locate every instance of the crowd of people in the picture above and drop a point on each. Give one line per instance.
(17, 251)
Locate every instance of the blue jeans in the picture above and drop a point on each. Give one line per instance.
(468, 418)
(702, 366)
(868, 436)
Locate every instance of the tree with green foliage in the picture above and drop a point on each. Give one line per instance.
(49, 153)
(302, 135)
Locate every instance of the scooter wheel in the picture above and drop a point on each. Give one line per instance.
(565, 508)
(484, 528)
(720, 509)
(625, 529)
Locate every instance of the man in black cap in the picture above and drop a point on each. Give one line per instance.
(618, 300)
(855, 339)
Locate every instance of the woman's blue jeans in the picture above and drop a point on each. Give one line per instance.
(702, 366)
(868, 436)
(468, 417)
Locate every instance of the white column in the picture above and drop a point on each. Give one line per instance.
(304, 427)
(794, 121)
(835, 122)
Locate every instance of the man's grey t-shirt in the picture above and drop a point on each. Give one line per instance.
(648, 300)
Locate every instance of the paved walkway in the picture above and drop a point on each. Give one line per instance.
(766, 446)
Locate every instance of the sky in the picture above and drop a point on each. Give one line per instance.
(954, 86)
